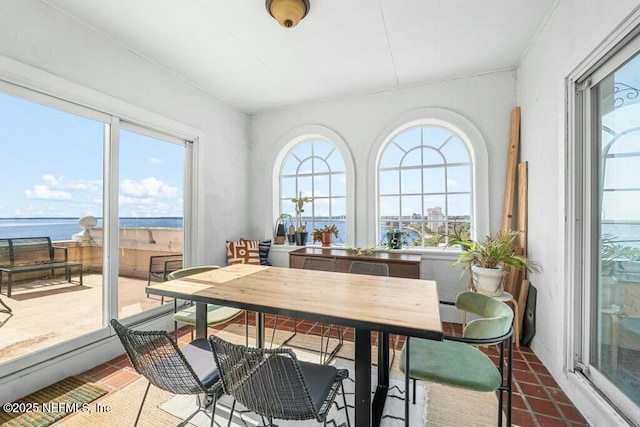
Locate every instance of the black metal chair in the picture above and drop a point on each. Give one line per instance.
(373, 268)
(160, 266)
(325, 264)
(6, 309)
(321, 264)
(273, 383)
(156, 356)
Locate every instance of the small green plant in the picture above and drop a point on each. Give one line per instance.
(611, 251)
(365, 251)
(396, 238)
(330, 229)
(299, 202)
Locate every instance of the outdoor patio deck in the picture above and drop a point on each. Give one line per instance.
(51, 311)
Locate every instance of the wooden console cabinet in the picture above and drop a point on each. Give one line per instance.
(400, 264)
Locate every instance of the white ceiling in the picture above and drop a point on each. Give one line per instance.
(236, 51)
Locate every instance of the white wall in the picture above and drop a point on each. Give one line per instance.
(55, 50)
(485, 100)
(574, 30)
(38, 35)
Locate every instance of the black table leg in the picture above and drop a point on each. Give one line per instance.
(383, 359)
(406, 382)
(382, 388)
(363, 377)
(259, 330)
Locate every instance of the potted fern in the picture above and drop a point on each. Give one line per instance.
(485, 260)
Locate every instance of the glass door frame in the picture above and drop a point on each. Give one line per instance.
(66, 96)
(583, 208)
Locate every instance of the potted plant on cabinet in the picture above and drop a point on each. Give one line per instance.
(325, 234)
(485, 260)
(396, 238)
(301, 227)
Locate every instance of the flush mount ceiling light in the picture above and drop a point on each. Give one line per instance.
(288, 12)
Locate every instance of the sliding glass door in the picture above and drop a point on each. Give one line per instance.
(151, 206)
(610, 117)
(109, 196)
(52, 186)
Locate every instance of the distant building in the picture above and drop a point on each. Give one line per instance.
(435, 218)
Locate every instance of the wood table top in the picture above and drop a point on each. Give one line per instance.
(387, 304)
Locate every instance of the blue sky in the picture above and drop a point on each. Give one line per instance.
(52, 166)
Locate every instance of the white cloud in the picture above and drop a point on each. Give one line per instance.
(148, 187)
(51, 180)
(43, 192)
(155, 161)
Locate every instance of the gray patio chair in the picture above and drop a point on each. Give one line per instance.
(273, 383)
(156, 356)
(160, 266)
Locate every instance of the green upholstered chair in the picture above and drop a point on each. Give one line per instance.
(216, 314)
(457, 362)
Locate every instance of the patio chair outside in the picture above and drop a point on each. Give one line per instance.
(274, 384)
(160, 266)
(156, 356)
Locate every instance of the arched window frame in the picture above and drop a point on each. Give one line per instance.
(293, 137)
(474, 141)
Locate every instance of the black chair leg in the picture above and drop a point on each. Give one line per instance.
(142, 403)
(213, 409)
(8, 309)
(233, 405)
(346, 408)
(414, 390)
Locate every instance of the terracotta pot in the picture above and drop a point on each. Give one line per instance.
(326, 239)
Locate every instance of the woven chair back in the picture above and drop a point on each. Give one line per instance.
(372, 268)
(155, 355)
(267, 382)
(321, 264)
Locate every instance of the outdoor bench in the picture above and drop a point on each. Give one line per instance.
(26, 254)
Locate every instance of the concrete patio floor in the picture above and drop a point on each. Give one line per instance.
(49, 311)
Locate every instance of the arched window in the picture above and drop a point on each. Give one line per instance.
(425, 182)
(315, 168)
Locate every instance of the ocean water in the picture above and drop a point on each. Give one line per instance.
(63, 228)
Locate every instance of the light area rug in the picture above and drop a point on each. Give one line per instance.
(393, 415)
(441, 405)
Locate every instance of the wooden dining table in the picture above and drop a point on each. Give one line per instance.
(386, 305)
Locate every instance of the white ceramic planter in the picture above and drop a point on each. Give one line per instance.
(488, 281)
